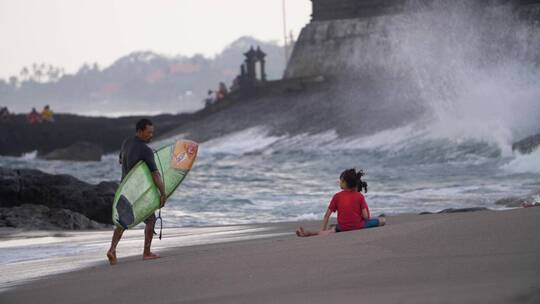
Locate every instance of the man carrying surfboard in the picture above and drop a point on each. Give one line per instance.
(134, 150)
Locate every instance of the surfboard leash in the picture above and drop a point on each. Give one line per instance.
(159, 213)
(160, 224)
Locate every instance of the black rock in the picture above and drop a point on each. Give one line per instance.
(458, 210)
(527, 145)
(27, 186)
(17, 136)
(41, 217)
(80, 151)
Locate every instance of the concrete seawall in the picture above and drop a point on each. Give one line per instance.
(347, 35)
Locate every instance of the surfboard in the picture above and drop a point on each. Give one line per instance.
(137, 196)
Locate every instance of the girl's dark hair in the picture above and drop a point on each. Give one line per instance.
(354, 179)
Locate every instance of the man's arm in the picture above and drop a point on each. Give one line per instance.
(326, 219)
(159, 184)
(148, 158)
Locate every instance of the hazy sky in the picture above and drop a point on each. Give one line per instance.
(68, 33)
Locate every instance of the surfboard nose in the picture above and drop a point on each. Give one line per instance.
(184, 154)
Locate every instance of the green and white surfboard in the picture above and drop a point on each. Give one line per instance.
(137, 196)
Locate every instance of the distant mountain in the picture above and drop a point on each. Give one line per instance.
(141, 82)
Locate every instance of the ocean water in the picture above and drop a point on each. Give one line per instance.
(252, 176)
(473, 69)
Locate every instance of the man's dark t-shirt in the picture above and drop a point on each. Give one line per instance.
(134, 150)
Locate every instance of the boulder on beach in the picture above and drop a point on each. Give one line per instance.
(79, 151)
(39, 217)
(27, 186)
(457, 210)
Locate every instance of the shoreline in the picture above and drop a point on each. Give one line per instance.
(474, 257)
(38, 254)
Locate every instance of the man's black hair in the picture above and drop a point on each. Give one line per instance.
(141, 124)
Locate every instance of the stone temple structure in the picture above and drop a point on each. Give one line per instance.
(248, 70)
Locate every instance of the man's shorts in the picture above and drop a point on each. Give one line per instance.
(150, 219)
(374, 222)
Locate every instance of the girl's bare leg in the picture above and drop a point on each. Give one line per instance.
(305, 233)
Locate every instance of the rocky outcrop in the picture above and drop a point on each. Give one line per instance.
(18, 137)
(26, 186)
(39, 217)
(80, 151)
(527, 145)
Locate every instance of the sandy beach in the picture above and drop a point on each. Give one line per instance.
(480, 257)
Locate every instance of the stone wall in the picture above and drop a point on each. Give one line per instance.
(349, 35)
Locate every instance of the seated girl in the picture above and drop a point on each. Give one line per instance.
(352, 209)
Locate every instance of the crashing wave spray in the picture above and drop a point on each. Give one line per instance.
(471, 66)
(475, 67)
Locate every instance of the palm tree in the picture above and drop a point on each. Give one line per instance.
(35, 68)
(38, 73)
(24, 73)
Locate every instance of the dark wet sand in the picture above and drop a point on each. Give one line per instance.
(481, 257)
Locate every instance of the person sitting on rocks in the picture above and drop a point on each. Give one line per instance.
(4, 114)
(351, 206)
(47, 114)
(210, 98)
(33, 117)
(222, 91)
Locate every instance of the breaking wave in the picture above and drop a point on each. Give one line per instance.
(528, 163)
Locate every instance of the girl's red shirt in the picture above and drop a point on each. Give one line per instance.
(349, 205)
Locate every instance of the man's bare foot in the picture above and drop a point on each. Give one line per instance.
(150, 256)
(300, 232)
(111, 255)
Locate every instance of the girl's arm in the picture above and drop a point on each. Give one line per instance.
(326, 219)
(365, 214)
